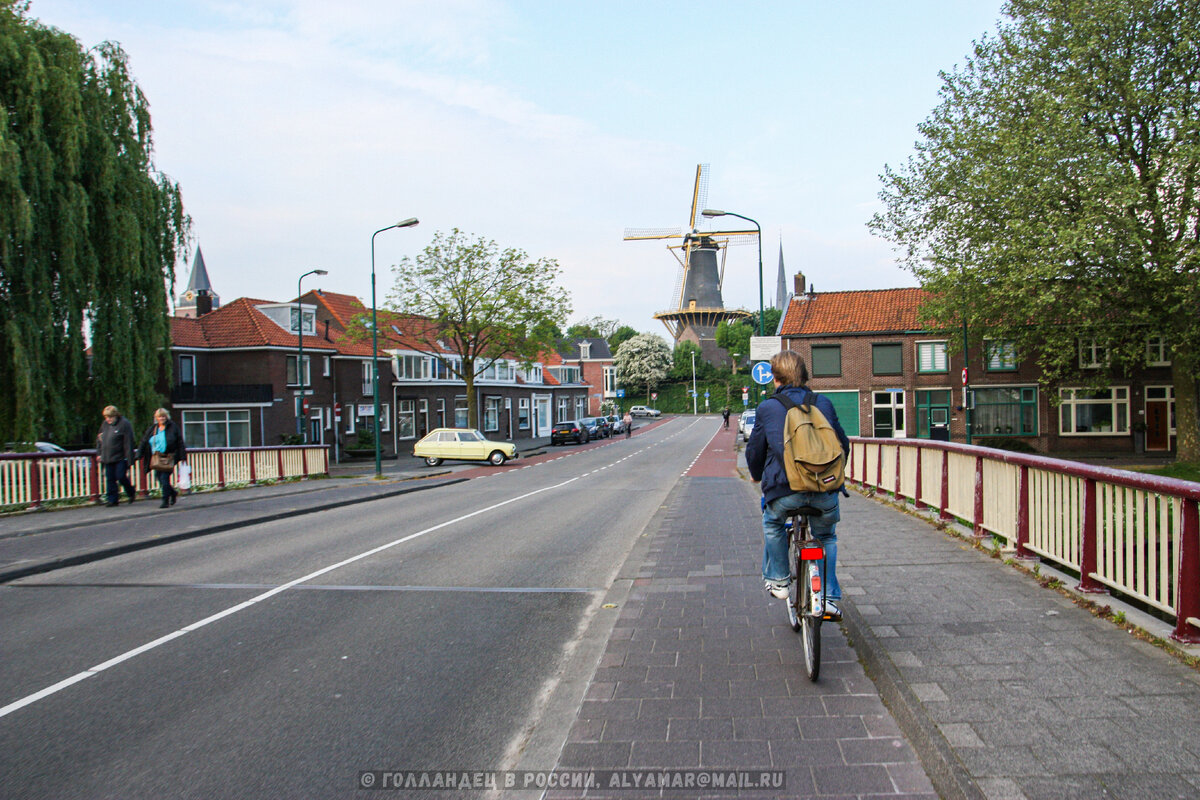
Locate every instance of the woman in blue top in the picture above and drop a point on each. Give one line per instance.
(163, 436)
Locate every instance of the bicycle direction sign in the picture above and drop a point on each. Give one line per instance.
(761, 372)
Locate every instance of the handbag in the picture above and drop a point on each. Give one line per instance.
(162, 462)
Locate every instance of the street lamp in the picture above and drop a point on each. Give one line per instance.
(301, 427)
(693, 383)
(710, 213)
(408, 223)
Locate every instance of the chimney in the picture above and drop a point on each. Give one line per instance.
(203, 303)
(799, 284)
(327, 331)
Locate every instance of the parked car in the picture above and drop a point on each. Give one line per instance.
(462, 444)
(746, 424)
(570, 431)
(643, 411)
(597, 427)
(616, 424)
(32, 447)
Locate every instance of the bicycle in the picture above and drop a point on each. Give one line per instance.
(806, 590)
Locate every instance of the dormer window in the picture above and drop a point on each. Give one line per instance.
(585, 350)
(310, 320)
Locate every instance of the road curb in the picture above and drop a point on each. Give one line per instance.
(50, 565)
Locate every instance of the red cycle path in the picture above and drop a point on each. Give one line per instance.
(720, 457)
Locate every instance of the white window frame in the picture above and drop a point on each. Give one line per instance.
(291, 359)
(1157, 352)
(191, 361)
(491, 413)
(325, 367)
(406, 409)
(932, 357)
(1092, 355)
(385, 414)
(1118, 400)
(564, 408)
(368, 379)
(523, 415)
(189, 425)
(610, 381)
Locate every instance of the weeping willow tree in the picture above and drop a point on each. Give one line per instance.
(89, 235)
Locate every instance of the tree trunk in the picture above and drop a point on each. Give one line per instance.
(1187, 424)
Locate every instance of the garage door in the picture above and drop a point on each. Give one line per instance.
(846, 406)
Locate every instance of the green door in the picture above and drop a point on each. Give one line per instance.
(846, 406)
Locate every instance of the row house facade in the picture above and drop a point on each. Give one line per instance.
(888, 377)
(242, 378)
(594, 360)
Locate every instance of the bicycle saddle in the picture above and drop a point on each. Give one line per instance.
(807, 511)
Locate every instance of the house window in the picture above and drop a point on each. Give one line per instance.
(1006, 411)
(826, 360)
(217, 428)
(1091, 354)
(933, 411)
(887, 359)
(1157, 353)
(523, 414)
(441, 412)
(1088, 412)
(187, 370)
(291, 371)
(580, 407)
(491, 413)
(931, 357)
(368, 379)
(1000, 356)
(310, 321)
(888, 413)
(460, 412)
(610, 381)
(423, 416)
(412, 368)
(406, 419)
(564, 409)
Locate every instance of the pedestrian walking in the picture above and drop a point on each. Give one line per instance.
(114, 451)
(628, 420)
(161, 450)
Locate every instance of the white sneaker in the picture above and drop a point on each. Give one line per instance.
(778, 589)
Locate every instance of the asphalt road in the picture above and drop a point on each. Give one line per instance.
(449, 629)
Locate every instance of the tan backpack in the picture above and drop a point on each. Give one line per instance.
(812, 454)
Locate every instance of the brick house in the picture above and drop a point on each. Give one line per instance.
(595, 362)
(888, 377)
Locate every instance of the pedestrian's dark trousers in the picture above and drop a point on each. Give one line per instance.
(164, 483)
(117, 473)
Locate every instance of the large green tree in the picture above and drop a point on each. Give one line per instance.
(1055, 193)
(89, 235)
(643, 360)
(480, 302)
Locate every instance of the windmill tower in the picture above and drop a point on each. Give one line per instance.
(696, 298)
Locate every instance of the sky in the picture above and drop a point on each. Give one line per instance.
(298, 128)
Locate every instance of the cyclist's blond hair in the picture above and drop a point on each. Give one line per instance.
(789, 369)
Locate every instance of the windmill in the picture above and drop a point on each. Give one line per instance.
(696, 298)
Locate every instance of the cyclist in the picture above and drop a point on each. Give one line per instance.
(628, 420)
(725, 416)
(764, 457)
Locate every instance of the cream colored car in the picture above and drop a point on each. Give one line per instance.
(462, 444)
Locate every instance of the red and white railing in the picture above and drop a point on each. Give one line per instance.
(1138, 535)
(27, 480)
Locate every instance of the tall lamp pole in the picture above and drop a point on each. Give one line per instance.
(710, 213)
(408, 223)
(693, 383)
(301, 426)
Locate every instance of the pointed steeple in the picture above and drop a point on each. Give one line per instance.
(198, 298)
(781, 285)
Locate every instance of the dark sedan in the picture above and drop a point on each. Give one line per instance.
(567, 432)
(597, 427)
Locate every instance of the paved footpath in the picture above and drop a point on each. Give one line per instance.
(978, 682)
(703, 671)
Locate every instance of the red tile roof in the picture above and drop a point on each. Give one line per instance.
(871, 311)
(239, 324)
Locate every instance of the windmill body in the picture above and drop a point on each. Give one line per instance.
(697, 303)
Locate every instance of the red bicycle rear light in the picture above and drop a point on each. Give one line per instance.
(811, 553)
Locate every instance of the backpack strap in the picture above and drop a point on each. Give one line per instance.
(787, 402)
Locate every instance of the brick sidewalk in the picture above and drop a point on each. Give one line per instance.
(703, 670)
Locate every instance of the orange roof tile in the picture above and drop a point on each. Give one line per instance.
(870, 311)
(238, 324)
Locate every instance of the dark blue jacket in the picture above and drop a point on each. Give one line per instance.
(764, 451)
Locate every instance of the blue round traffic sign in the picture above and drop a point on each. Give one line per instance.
(761, 372)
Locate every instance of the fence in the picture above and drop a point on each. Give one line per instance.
(1138, 535)
(27, 480)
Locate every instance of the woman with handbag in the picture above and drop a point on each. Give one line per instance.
(161, 450)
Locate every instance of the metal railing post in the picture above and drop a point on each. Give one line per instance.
(1087, 543)
(1188, 586)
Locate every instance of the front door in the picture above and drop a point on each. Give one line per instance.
(888, 414)
(1158, 425)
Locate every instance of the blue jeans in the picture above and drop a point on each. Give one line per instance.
(116, 473)
(823, 527)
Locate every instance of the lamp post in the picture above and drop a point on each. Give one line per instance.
(408, 223)
(710, 213)
(301, 427)
(693, 383)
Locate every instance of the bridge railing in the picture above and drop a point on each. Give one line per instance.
(28, 480)
(1138, 535)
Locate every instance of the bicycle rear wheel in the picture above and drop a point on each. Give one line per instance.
(796, 567)
(810, 625)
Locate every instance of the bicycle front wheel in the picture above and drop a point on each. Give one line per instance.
(810, 626)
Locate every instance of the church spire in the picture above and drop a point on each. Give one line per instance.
(198, 298)
(781, 286)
